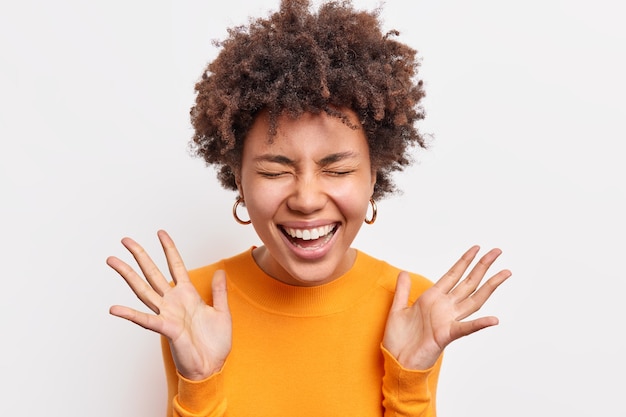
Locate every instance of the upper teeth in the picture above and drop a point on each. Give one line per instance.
(310, 234)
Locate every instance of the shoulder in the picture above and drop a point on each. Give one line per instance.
(388, 275)
(202, 277)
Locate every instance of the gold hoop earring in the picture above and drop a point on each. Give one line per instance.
(374, 212)
(237, 219)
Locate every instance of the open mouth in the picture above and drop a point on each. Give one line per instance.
(310, 239)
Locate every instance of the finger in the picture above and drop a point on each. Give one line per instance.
(473, 303)
(147, 321)
(152, 274)
(401, 296)
(452, 277)
(476, 275)
(142, 290)
(219, 290)
(177, 268)
(465, 328)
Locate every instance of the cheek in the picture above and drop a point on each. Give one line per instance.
(262, 201)
(351, 199)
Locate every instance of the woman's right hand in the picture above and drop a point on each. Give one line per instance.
(200, 335)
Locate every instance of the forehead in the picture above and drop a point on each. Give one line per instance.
(308, 133)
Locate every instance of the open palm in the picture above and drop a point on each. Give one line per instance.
(199, 335)
(416, 335)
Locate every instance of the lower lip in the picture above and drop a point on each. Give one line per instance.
(311, 253)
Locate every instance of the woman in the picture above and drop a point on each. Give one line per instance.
(306, 115)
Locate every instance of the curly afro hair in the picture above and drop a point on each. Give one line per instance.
(300, 61)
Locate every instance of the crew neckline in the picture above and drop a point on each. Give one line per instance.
(272, 295)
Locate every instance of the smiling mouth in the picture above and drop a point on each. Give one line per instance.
(310, 239)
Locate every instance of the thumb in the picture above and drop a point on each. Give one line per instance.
(403, 288)
(218, 288)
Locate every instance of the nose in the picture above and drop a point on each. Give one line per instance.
(308, 196)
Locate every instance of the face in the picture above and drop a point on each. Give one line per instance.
(307, 194)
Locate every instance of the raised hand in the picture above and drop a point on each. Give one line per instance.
(416, 335)
(200, 336)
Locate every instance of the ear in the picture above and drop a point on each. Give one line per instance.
(373, 182)
(238, 183)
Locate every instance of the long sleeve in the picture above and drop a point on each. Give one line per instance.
(188, 398)
(200, 398)
(409, 393)
(305, 351)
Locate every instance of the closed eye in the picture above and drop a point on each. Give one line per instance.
(268, 174)
(339, 173)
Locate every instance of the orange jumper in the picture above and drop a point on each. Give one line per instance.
(306, 351)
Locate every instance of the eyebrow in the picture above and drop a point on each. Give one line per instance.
(279, 159)
(327, 160)
(336, 157)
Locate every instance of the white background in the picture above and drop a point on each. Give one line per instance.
(526, 105)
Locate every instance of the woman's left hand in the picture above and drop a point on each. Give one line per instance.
(417, 335)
